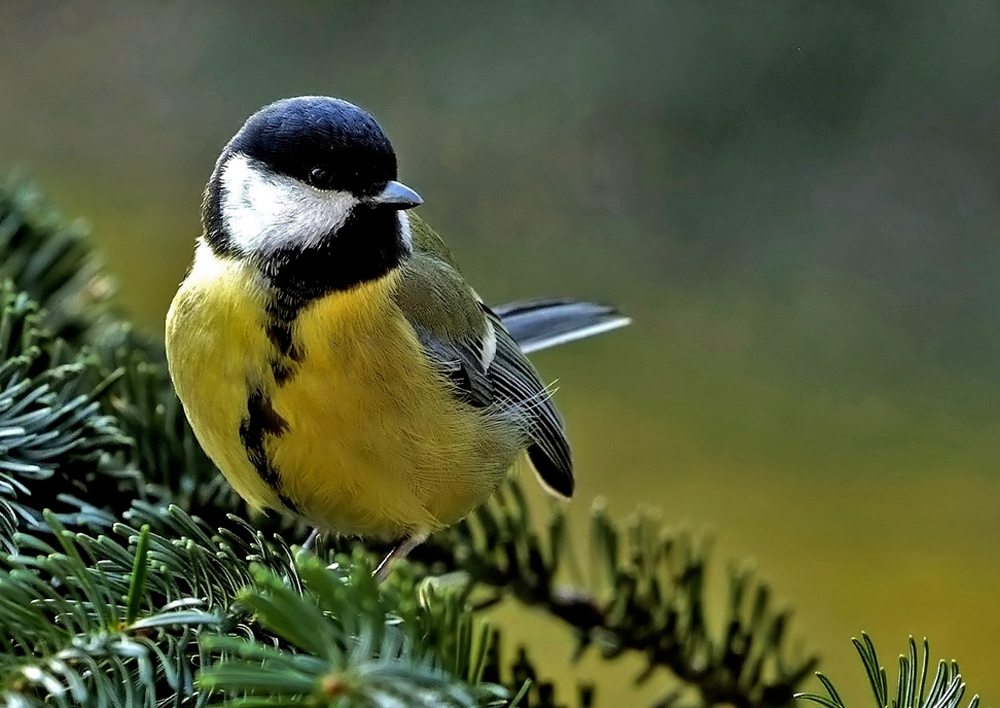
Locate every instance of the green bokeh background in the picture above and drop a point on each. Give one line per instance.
(798, 203)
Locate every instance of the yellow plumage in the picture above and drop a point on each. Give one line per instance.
(331, 358)
(372, 440)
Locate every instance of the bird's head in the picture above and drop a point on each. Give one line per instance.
(307, 191)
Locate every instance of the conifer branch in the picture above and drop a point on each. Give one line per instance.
(648, 598)
(52, 431)
(133, 624)
(946, 689)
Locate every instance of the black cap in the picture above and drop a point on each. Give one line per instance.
(326, 142)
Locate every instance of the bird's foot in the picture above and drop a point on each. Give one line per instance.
(311, 540)
(397, 554)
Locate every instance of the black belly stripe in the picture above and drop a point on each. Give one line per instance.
(282, 371)
(262, 422)
(281, 314)
(279, 331)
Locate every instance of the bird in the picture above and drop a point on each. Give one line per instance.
(328, 353)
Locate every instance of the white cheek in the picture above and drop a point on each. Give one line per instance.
(263, 211)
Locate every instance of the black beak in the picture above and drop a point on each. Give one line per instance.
(398, 195)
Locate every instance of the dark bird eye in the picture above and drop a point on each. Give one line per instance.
(319, 177)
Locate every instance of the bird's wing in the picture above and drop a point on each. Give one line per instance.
(473, 347)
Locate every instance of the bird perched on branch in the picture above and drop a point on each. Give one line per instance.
(331, 358)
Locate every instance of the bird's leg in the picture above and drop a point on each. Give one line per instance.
(397, 554)
(311, 541)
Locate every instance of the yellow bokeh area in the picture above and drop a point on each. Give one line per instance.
(797, 204)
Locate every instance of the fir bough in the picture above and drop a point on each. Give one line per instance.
(132, 575)
(53, 433)
(945, 691)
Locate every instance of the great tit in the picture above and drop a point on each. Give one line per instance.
(329, 355)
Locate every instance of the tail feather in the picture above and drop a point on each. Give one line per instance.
(540, 324)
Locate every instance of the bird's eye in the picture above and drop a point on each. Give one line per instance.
(319, 177)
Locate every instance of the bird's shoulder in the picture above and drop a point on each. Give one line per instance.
(433, 293)
(427, 242)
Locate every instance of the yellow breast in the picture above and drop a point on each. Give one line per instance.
(360, 432)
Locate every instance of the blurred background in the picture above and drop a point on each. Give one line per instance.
(797, 202)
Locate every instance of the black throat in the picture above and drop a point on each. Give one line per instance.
(368, 246)
(365, 248)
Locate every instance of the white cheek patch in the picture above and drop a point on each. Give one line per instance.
(263, 211)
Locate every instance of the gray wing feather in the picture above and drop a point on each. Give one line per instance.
(509, 380)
